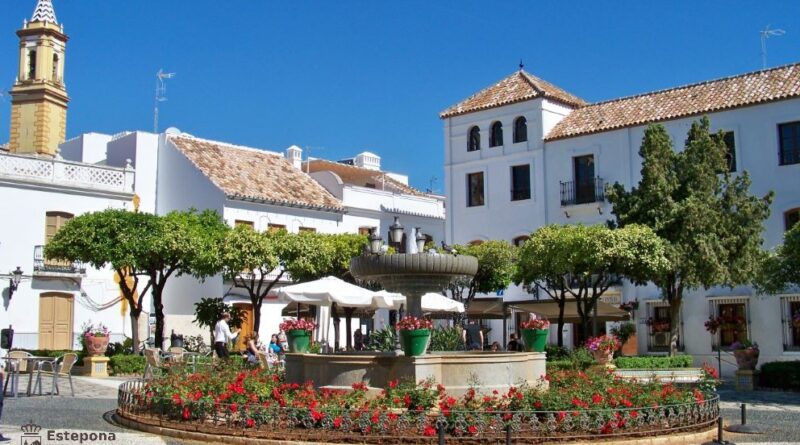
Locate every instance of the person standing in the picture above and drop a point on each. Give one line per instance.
(2, 396)
(513, 344)
(472, 336)
(222, 335)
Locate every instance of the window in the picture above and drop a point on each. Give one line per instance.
(732, 313)
(730, 143)
(275, 227)
(369, 185)
(307, 229)
(55, 68)
(32, 64)
(790, 315)
(364, 230)
(790, 218)
(659, 323)
(241, 222)
(475, 189)
(584, 179)
(55, 221)
(520, 129)
(496, 135)
(474, 139)
(520, 240)
(520, 182)
(789, 139)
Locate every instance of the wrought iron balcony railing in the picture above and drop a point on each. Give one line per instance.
(44, 265)
(584, 192)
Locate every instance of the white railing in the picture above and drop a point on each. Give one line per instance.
(58, 171)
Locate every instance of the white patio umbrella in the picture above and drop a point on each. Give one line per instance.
(431, 302)
(326, 291)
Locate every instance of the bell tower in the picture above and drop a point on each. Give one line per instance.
(39, 98)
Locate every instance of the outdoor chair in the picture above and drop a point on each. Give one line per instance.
(152, 359)
(176, 353)
(22, 367)
(60, 367)
(264, 360)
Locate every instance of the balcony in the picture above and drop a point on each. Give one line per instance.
(66, 173)
(584, 192)
(42, 265)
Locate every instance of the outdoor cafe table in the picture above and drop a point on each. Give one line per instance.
(34, 365)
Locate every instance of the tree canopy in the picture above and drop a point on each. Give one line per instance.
(781, 269)
(711, 224)
(496, 267)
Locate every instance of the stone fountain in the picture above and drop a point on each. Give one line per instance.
(413, 275)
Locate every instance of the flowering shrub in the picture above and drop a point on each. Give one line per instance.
(98, 330)
(658, 325)
(605, 343)
(745, 345)
(727, 321)
(630, 306)
(536, 323)
(713, 324)
(409, 323)
(292, 324)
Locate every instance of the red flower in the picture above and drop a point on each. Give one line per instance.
(429, 431)
(251, 423)
(472, 429)
(186, 414)
(393, 383)
(597, 399)
(537, 404)
(337, 422)
(234, 407)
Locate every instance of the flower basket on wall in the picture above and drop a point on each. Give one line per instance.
(534, 334)
(415, 335)
(603, 348)
(298, 334)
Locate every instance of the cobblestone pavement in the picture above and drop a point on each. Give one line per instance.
(776, 413)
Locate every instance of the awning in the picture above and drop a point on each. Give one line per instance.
(487, 308)
(291, 311)
(549, 309)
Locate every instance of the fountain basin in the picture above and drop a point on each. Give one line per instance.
(457, 371)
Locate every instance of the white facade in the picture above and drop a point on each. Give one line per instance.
(615, 159)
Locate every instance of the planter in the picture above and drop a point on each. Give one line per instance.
(414, 342)
(96, 346)
(747, 359)
(603, 357)
(631, 346)
(299, 340)
(535, 339)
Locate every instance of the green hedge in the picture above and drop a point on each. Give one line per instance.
(783, 375)
(126, 364)
(53, 353)
(654, 362)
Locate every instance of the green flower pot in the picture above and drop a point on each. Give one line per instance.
(535, 339)
(414, 342)
(299, 340)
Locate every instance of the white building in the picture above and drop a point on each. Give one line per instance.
(527, 153)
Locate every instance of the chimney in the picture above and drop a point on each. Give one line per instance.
(368, 160)
(295, 155)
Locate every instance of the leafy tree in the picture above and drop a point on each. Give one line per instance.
(496, 269)
(710, 222)
(208, 311)
(781, 268)
(113, 237)
(582, 262)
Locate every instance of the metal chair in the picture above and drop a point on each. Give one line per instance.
(263, 359)
(176, 353)
(20, 366)
(61, 367)
(152, 363)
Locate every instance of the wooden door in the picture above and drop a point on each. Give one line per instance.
(247, 326)
(53, 222)
(55, 321)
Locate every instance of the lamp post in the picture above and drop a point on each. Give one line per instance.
(375, 241)
(13, 282)
(396, 231)
(420, 238)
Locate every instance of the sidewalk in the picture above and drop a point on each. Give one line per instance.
(777, 413)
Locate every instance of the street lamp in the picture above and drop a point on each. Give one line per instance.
(13, 282)
(375, 241)
(421, 239)
(396, 231)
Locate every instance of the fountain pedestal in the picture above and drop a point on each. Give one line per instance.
(485, 371)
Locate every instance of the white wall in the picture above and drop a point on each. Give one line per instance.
(142, 149)
(88, 147)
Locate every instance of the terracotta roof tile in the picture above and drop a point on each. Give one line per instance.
(252, 174)
(714, 95)
(362, 177)
(518, 87)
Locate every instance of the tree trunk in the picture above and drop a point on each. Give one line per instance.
(674, 325)
(560, 336)
(135, 329)
(159, 309)
(256, 313)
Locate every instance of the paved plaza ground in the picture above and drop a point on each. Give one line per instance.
(778, 413)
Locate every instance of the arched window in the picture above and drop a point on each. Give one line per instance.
(520, 240)
(55, 68)
(791, 217)
(32, 64)
(474, 139)
(520, 129)
(496, 136)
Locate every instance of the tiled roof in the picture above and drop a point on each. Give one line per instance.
(362, 177)
(713, 95)
(518, 87)
(254, 175)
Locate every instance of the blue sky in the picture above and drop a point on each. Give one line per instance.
(346, 76)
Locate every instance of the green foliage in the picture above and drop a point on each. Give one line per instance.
(382, 340)
(654, 362)
(565, 360)
(496, 267)
(446, 339)
(310, 255)
(126, 364)
(555, 352)
(711, 224)
(783, 375)
(208, 311)
(624, 331)
(781, 268)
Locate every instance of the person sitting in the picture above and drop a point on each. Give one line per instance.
(495, 347)
(253, 346)
(513, 344)
(274, 351)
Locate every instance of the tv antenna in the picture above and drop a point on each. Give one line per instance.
(765, 34)
(161, 94)
(308, 156)
(431, 182)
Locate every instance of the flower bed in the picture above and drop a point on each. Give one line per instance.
(258, 403)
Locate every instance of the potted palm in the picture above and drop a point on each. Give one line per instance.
(534, 334)
(603, 347)
(95, 338)
(414, 335)
(298, 334)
